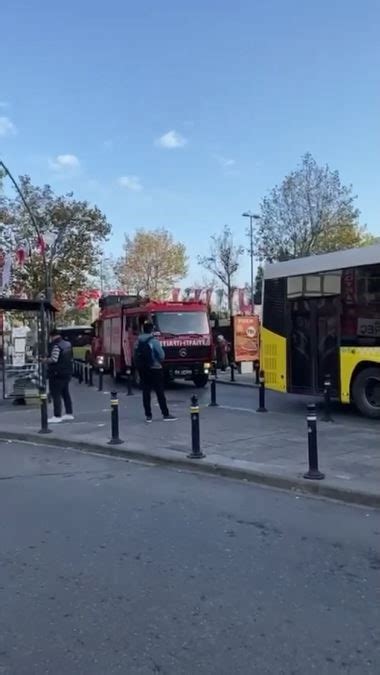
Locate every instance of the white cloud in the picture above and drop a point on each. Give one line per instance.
(171, 140)
(226, 162)
(62, 162)
(7, 128)
(132, 183)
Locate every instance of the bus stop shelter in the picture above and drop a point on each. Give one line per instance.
(24, 326)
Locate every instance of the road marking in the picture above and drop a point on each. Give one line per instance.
(231, 407)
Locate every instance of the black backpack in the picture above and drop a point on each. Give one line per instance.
(144, 354)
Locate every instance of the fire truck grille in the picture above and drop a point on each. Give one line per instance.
(200, 353)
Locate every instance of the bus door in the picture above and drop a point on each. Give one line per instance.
(328, 324)
(313, 353)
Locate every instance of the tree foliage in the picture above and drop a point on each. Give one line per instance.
(62, 239)
(223, 261)
(310, 212)
(152, 263)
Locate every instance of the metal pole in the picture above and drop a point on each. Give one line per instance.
(232, 366)
(115, 438)
(196, 452)
(313, 473)
(213, 403)
(100, 383)
(43, 344)
(44, 412)
(251, 253)
(90, 376)
(262, 408)
(129, 382)
(326, 417)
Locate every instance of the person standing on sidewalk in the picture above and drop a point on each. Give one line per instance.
(224, 349)
(60, 366)
(148, 358)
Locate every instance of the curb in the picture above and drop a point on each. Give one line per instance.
(211, 464)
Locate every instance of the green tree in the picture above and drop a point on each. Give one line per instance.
(310, 212)
(223, 261)
(62, 236)
(152, 263)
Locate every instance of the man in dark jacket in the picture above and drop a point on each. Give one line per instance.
(149, 357)
(60, 364)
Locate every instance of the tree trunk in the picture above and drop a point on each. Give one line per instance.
(229, 293)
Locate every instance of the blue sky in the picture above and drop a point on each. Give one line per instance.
(184, 114)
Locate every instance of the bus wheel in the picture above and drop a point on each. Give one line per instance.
(366, 392)
(200, 380)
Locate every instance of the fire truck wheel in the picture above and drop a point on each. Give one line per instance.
(200, 381)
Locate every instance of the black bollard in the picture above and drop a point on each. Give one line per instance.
(115, 438)
(80, 373)
(256, 367)
(313, 473)
(213, 403)
(44, 413)
(90, 375)
(326, 417)
(232, 372)
(85, 366)
(129, 382)
(262, 408)
(100, 382)
(196, 452)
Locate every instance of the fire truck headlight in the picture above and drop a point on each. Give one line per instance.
(206, 367)
(100, 360)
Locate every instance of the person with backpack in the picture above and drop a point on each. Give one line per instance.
(148, 359)
(60, 367)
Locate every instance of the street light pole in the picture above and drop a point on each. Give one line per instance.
(252, 217)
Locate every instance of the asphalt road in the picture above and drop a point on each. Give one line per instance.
(111, 567)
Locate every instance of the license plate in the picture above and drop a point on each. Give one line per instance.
(184, 372)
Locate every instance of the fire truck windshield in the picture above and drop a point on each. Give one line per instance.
(182, 323)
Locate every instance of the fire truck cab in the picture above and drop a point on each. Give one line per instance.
(183, 329)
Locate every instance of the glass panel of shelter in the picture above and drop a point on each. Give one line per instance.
(20, 349)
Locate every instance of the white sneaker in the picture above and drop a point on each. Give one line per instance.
(54, 420)
(68, 418)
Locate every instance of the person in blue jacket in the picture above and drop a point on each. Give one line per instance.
(149, 357)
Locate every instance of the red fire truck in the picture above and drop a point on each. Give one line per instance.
(183, 329)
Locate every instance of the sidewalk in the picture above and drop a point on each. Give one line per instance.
(246, 380)
(266, 448)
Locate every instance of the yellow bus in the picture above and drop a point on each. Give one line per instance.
(321, 317)
(81, 338)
